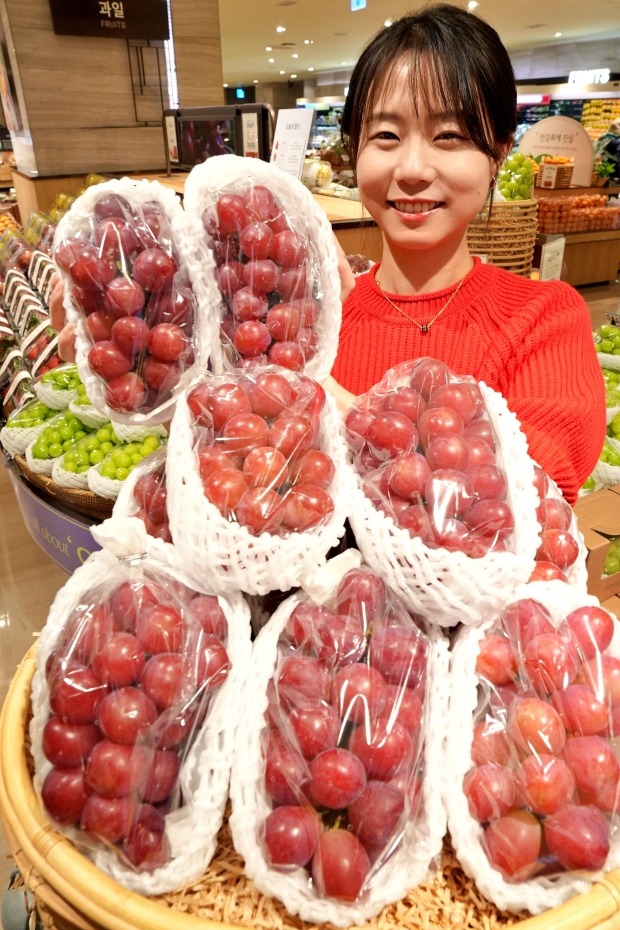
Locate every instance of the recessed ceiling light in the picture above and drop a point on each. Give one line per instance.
(280, 28)
(255, 82)
(306, 41)
(310, 69)
(557, 35)
(271, 60)
(387, 23)
(472, 4)
(293, 75)
(224, 85)
(282, 72)
(268, 48)
(295, 56)
(343, 63)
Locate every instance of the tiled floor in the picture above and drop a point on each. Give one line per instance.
(29, 580)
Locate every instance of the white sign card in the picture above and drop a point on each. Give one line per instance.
(561, 135)
(551, 257)
(290, 140)
(249, 121)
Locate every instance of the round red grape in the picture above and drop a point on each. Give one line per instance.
(341, 641)
(163, 777)
(362, 594)
(77, 695)
(496, 661)
(547, 571)
(593, 628)
(437, 422)
(302, 678)
(448, 493)
(265, 467)
(306, 506)
(578, 837)
(160, 629)
(252, 338)
(536, 727)
(161, 678)
(513, 844)
(131, 335)
(554, 514)
(592, 762)
(457, 397)
(124, 714)
(290, 835)
(524, 620)
(337, 778)
(559, 547)
(375, 814)
(358, 693)
(490, 745)
(287, 355)
(108, 818)
(225, 488)
(602, 674)
(64, 793)
(406, 401)
(426, 375)
(391, 433)
(120, 661)
(490, 791)
(287, 248)
(92, 271)
(154, 270)
(383, 748)
(232, 213)
(340, 866)
(286, 776)
(114, 771)
(260, 510)
(580, 710)
(128, 391)
(408, 474)
(66, 745)
(106, 360)
(167, 342)
(545, 782)
(316, 726)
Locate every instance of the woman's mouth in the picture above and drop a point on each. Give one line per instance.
(415, 208)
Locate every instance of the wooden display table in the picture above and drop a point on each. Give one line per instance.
(590, 257)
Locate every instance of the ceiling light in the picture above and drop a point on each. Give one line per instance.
(310, 69)
(306, 41)
(293, 75)
(224, 85)
(271, 61)
(255, 82)
(268, 48)
(280, 28)
(294, 56)
(387, 23)
(557, 35)
(282, 72)
(472, 4)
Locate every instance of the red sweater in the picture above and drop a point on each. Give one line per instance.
(530, 340)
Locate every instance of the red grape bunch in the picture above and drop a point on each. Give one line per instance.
(546, 777)
(266, 275)
(138, 304)
(343, 747)
(129, 685)
(558, 547)
(150, 496)
(258, 450)
(427, 454)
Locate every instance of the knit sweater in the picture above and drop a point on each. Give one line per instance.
(529, 340)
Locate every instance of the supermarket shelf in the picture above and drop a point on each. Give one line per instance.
(591, 258)
(575, 191)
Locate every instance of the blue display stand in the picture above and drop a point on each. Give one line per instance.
(67, 541)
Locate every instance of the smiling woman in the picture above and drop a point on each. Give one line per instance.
(429, 117)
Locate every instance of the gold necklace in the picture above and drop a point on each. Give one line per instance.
(424, 328)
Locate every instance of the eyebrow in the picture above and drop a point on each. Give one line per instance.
(387, 116)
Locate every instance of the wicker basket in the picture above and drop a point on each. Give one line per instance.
(508, 239)
(84, 502)
(563, 177)
(75, 894)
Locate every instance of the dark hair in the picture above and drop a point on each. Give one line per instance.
(456, 60)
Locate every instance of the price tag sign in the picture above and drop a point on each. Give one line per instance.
(290, 140)
(551, 257)
(548, 175)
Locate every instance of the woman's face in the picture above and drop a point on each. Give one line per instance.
(419, 177)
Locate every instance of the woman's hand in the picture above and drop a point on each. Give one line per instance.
(66, 332)
(344, 399)
(347, 279)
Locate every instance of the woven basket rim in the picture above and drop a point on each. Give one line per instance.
(83, 502)
(76, 881)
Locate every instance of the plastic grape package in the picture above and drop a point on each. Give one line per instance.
(535, 704)
(144, 495)
(561, 554)
(135, 700)
(124, 251)
(337, 780)
(269, 264)
(444, 506)
(257, 486)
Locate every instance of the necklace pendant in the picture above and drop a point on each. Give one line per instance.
(425, 329)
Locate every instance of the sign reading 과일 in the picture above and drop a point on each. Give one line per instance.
(111, 19)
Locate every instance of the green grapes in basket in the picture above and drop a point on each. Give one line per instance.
(122, 460)
(607, 339)
(32, 414)
(91, 450)
(59, 437)
(610, 455)
(63, 379)
(612, 387)
(515, 179)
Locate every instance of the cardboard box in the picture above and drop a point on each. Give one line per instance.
(612, 604)
(598, 517)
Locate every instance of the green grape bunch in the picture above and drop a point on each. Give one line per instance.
(62, 379)
(515, 179)
(607, 339)
(35, 413)
(59, 437)
(612, 559)
(122, 460)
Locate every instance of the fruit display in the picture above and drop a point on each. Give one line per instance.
(127, 683)
(118, 248)
(584, 213)
(146, 496)
(24, 425)
(515, 178)
(543, 776)
(58, 437)
(612, 559)
(271, 266)
(119, 462)
(610, 453)
(597, 115)
(558, 551)
(607, 340)
(330, 795)
(39, 232)
(58, 387)
(19, 388)
(426, 453)
(612, 395)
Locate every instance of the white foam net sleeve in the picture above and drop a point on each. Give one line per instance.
(422, 840)
(89, 415)
(449, 587)
(55, 400)
(76, 218)
(39, 466)
(204, 183)
(224, 554)
(537, 894)
(192, 829)
(16, 441)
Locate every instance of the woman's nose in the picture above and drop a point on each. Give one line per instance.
(415, 165)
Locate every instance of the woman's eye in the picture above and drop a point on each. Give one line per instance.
(386, 134)
(449, 136)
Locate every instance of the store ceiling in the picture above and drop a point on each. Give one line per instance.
(338, 35)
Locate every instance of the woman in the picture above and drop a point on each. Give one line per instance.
(430, 116)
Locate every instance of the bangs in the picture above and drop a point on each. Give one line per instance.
(456, 64)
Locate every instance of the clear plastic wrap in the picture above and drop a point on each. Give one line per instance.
(24, 426)
(106, 477)
(337, 780)
(122, 249)
(534, 700)
(58, 438)
(144, 495)
(562, 553)
(136, 699)
(446, 503)
(57, 388)
(270, 267)
(256, 481)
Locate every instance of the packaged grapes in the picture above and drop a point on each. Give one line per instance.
(124, 250)
(58, 387)
(444, 504)
(338, 775)
(106, 477)
(57, 438)
(19, 389)
(24, 426)
(607, 345)
(562, 553)
(144, 495)
(84, 409)
(70, 470)
(268, 280)
(256, 482)
(136, 698)
(532, 808)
